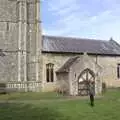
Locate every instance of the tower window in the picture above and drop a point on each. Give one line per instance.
(49, 72)
(7, 26)
(118, 71)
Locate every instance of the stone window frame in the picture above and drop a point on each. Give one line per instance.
(118, 71)
(49, 72)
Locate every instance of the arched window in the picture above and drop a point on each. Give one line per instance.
(49, 72)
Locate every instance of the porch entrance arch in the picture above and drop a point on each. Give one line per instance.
(84, 78)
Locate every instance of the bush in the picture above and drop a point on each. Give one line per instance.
(61, 91)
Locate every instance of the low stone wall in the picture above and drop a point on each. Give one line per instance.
(29, 86)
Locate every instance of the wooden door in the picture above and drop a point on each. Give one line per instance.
(83, 81)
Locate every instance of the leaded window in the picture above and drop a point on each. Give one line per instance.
(50, 72)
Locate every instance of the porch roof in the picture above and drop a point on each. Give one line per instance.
(66, 66)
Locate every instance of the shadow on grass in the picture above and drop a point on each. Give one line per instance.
(13, 111)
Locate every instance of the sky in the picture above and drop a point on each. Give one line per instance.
(95, 19)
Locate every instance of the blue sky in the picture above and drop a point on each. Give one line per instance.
(99, 19)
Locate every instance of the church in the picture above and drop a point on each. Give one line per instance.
(31, 61)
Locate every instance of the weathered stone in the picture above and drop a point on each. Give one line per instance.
(106, 70)
(24, 64)
(18, 38)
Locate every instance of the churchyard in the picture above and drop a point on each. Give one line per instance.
(50, 106)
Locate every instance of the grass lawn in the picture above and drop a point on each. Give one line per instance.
(106, 108)
(31, 96)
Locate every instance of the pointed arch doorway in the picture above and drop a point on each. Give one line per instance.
(84, 78)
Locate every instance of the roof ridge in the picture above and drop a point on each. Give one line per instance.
(76, 38)
(115, 42)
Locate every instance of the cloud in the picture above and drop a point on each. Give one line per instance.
(94, 19)
(57, 5)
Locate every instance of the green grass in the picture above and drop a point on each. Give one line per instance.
(31, 96)
(106, 108)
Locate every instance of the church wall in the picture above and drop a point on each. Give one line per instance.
(75, 70)
(108, 64)
(109, 67)
(82, 63)
(58, 60)
(8, 10)
(20, 41)
(8, 67)
(62, 82)
(8, 25)
(8, 40)
(34, 41)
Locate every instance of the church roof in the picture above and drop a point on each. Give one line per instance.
(56, 44)
(66, 66)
